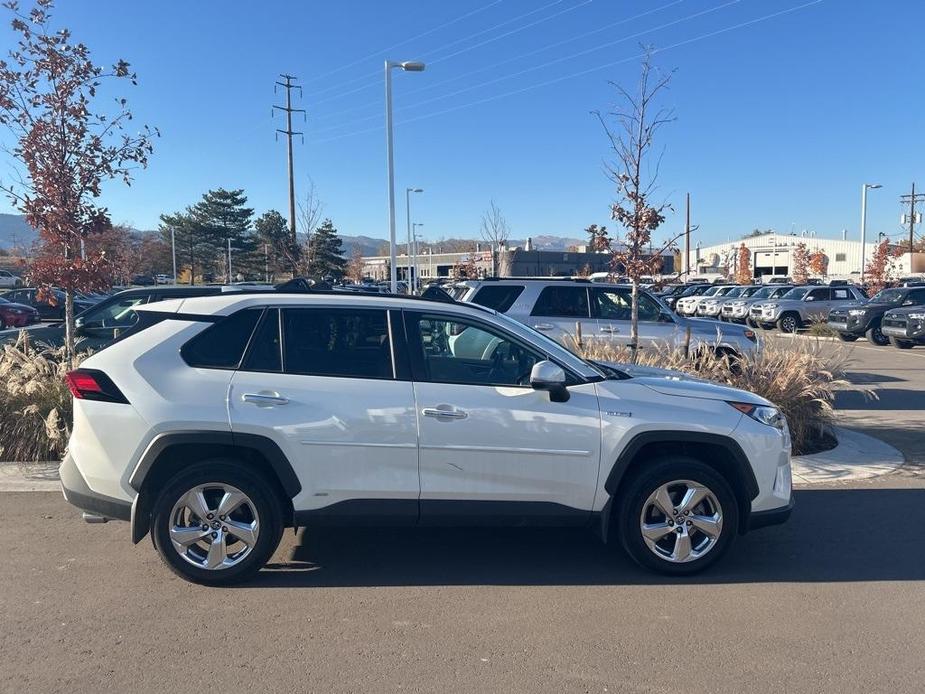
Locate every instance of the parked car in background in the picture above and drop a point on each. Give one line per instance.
(13, 315)
(857, 319)
(163, 279)
(557, 307)
(736, 310)
(905, 327)
(146, 280)
(687, 305)
(803, 305)
(866, 319)
(695, 289)
(712, 307)
(102, 323)
(51, 307)
(9, 280)
(222, 420)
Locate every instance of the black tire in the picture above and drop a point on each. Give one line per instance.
(2, 323)
(875, 336)
(789, 323)
(901, 344)
(750, 323)
(847, 337)
(265, 500)
(635, 492)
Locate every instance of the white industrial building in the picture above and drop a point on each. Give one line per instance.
(772, 255)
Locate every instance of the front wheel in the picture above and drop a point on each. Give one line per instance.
(875, 336)
(789, 323)
(901, 344)
(677, 517)
(216, 523)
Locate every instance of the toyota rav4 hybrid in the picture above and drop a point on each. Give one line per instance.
(854, 320)
(803, 305)
(215, 422)
(560, 308)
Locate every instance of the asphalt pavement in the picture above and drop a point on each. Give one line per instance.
(834, 601)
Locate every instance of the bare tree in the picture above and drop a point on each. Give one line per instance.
(310, 211)
(494, 231)
(631, 129)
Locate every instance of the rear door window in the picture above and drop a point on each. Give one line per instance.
(498, 297)
(222, 345)
(562, 302)
(820, 294)
(841, 295)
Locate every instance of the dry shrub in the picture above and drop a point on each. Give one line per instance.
(799, 376)
(35, 404)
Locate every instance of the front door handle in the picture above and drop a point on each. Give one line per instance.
(440, 413)
(544, 326)
(264, 399)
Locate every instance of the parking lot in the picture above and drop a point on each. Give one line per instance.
(832, 601)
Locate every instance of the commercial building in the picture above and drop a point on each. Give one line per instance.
(772, 255)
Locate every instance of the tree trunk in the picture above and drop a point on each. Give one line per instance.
(69, 326)
(634, 322)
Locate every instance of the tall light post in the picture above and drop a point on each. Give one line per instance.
(407, 66)
(412, 253)
(414, 246)
(173, 250)
(864, 189)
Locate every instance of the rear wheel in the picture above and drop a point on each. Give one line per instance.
(875, 336)
(789, 323)
(901, 344)
(677, 517)
(217, 523)
(847, 337)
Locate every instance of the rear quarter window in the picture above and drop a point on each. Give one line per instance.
(499, 297)
(222, 345)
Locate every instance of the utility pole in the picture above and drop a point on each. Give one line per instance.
(912, 218)
(687, 240)
(289, 132)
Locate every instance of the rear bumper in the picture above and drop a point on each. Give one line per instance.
(774, 516)
(78, 493)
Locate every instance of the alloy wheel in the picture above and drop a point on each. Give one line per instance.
(681, 521)
(789, 324)
(214, 526)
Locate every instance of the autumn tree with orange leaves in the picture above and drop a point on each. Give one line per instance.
(48, 89)
(800, 273)
(879, 270)
(744, 265)
(631, 129)
(819, 263)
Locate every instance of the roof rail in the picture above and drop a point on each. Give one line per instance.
(300, 285)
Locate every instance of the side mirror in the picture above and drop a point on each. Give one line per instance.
(664, 317)
(810, 298)
(78, 326)
(549, 377)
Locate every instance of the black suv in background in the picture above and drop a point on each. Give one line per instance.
(905, 327)
(47, 310)
(865, 319)
(99, 324)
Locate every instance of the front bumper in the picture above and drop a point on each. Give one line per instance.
(775, 516)
(78, 493)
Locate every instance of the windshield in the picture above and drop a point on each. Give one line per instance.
(797, 293)
(711, 291)
(553, 348)
(888, 296)
(692, 291)
(735, 291)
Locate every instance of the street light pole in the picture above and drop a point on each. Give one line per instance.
(412, 253)
(864, 189)
(414, 246)
(229, 261)
(407, 66)
(173, 250)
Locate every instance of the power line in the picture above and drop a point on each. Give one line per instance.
(543, 66)
(581, 73)
(403, 42)
(443, 47)
(288, 132)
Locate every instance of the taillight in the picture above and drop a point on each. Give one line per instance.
(91, 384)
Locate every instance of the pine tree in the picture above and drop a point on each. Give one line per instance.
(326, 255)
(273, 231)
(194, 246)
(222, 215)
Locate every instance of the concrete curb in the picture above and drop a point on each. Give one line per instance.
(856, 457)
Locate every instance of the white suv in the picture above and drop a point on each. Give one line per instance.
(217, 421)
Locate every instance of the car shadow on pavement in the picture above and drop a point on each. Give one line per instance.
(885, 399)
(833, 535)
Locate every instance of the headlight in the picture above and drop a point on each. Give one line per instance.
(771, 306)
(917, 316)
(857, 311)
(770, 416)
(15, 311)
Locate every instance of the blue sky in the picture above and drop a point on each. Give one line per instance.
(779, 120)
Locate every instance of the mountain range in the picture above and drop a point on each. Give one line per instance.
(15, 232)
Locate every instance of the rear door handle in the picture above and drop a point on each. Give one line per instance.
(544, 326)
(439, 413)
(265, 399)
